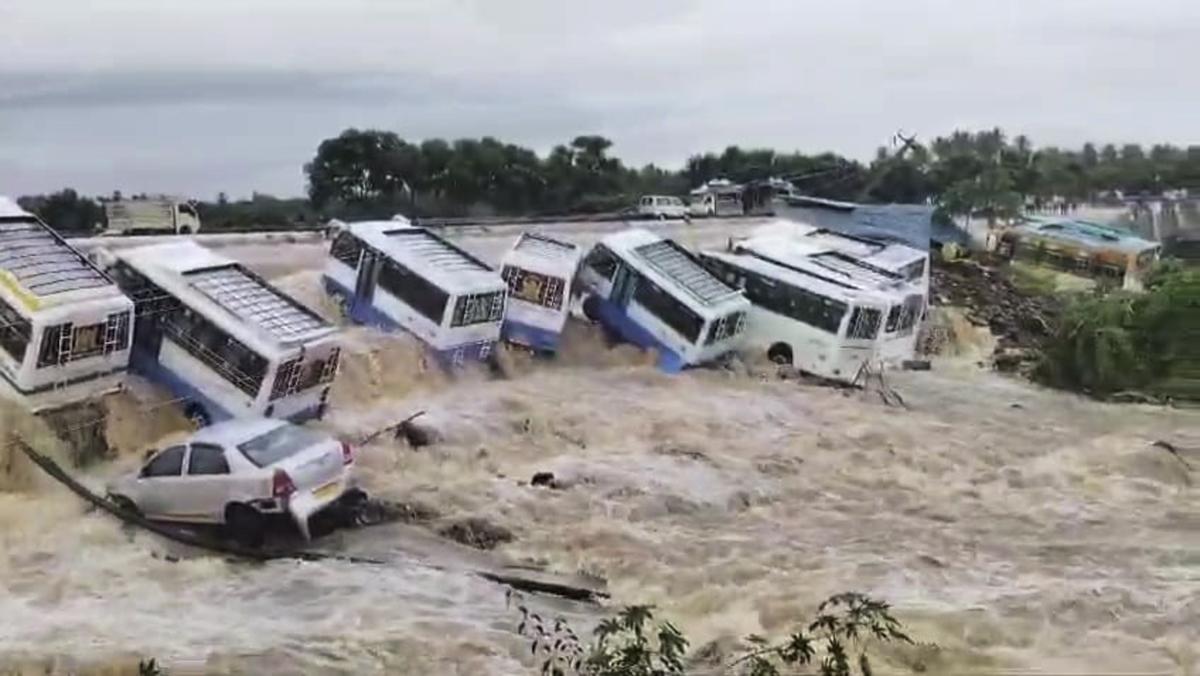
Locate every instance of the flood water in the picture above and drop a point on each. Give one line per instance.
(1014, 527)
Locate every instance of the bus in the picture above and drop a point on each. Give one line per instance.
(394, 275)
(1081, 248)
(223, 340)
(821, 323)
(650, 291)
(64, 324)
(540, 272)
(899, 271)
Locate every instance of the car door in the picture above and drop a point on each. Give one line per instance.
(159, 484)
(207, 490)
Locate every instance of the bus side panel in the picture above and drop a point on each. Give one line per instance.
(192, 381)
(633, 324)
(813, 351)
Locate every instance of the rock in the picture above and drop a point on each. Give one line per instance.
(416, 434)
(917, 365)
(477, 532)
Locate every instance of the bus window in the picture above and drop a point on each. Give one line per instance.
(478, 308)
(533, 287)
(864, 323)
(346, 248)
(14, 332)
(602, 261)
(669, 310)
(413, 290)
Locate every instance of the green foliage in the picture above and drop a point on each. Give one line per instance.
(631, 644)
(66, 211)
(1124, 341)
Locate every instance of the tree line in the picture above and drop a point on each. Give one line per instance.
(374, 173)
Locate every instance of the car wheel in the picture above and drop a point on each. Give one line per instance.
(780, 353)
(197, 415)
(246, 525)
(125, 504)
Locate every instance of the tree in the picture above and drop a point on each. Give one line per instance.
(66, 211)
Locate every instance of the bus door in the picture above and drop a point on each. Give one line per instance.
(368, 273)
(624, 284)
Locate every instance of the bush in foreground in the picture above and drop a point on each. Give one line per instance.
(632, 644)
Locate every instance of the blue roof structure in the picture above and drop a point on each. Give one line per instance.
(910, 224)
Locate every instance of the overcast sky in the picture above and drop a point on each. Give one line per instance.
(202, 96)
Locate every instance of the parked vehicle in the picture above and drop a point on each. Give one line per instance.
(397, 276)
(540, 272)
(64, 324)
(152, 215)
(650, 291)
(661, 207)
(240, 474)
(221, 338)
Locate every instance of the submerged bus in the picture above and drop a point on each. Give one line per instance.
(64, 324)
(221, 338)
(651, 292)
(539, 271)
(397, 276)
(817, 322)
(897, 271)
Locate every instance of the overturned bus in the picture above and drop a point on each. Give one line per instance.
(1080, 248)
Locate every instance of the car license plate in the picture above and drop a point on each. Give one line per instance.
(327, 490)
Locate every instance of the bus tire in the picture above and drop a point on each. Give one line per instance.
(591, 308)
(197, 415)
(780, 353)
(246, 525)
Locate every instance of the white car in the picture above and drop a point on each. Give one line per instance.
(661, 206)
(240, 474)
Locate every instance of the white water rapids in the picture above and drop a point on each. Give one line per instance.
(1014, 527)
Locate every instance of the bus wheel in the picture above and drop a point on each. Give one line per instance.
(197, 415)
(780, 353)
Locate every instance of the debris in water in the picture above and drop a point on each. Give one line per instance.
(477, 532)
(545, 479)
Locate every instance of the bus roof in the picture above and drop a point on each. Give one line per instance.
(205, 280)
(427, 254)
(804, 239)
(40, 261)
(540, 253)
(1084, 234)
(826, 285)
(667, 259)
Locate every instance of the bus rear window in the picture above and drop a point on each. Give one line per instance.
(864, 323)
(533, 287)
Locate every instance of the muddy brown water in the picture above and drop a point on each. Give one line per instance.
(1015, 527)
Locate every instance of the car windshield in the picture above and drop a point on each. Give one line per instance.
(278, 444)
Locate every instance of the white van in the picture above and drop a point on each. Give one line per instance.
(661, 207)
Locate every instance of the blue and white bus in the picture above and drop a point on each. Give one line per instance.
(64, 324)
(397, 276)
(221, 338)
(540, 272)
(652, 292)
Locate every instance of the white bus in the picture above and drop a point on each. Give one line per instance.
(64, 325)
(397, 276)
(650, 291)
(221, 338)
(899, 271)
(817, 322)
(539, 271)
